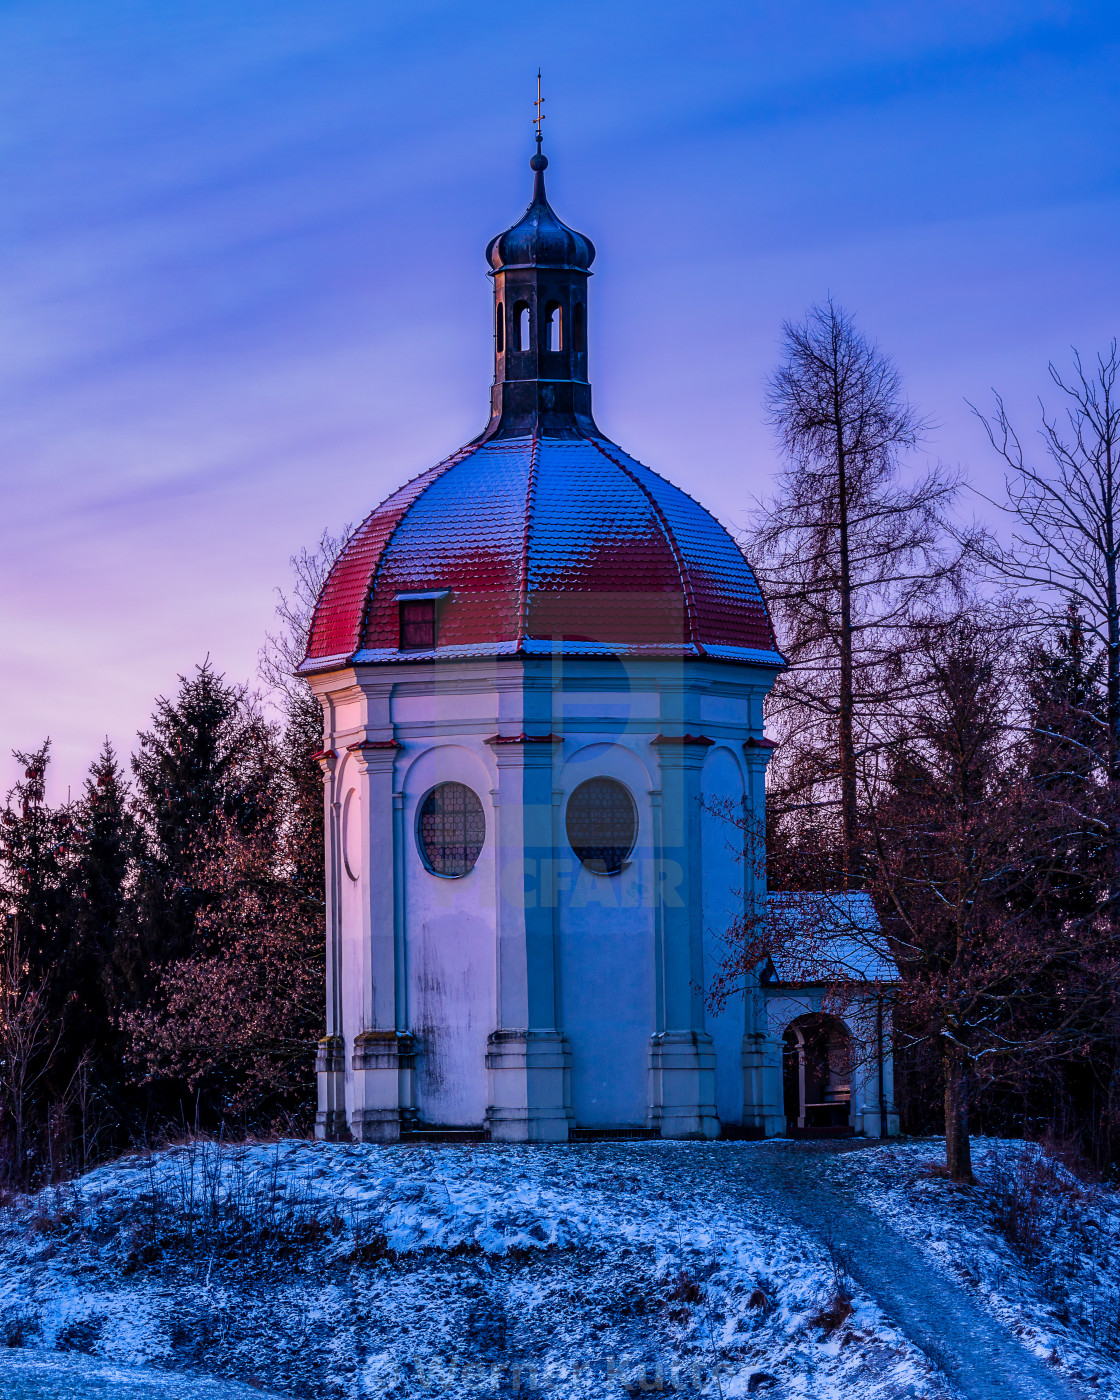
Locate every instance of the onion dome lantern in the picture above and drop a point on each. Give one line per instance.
(540, 536)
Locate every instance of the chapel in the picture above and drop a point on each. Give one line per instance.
(542, 668)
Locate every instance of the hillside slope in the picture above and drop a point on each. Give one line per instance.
(330, 1270)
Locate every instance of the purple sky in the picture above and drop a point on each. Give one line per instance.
(242, 292)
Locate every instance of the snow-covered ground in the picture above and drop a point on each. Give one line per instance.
(330, 1270)
(30, 1374)
(1034, 1245)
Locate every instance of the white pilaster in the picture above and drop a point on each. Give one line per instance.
(763, 1090)
(681, 1055)
(330, 1062)
(528, 1060)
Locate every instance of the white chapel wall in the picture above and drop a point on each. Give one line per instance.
(353, 891)
(607, 953)
(606, 927)
(724, 877)
(450, 945)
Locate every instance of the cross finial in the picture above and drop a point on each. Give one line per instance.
(539, 104)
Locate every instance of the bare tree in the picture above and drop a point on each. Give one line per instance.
(285, 649)
(1065, 513)
(969, 833)
(29, 1043)
(846, 554)
(966, 847)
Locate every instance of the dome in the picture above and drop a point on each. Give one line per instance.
(539, 239)
(537, 546)
(540, 537)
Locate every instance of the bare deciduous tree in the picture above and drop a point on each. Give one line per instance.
(285, 649)
(969, 832)
(846, 553)
(967, 844)
(29, 1043)
(1065, 513)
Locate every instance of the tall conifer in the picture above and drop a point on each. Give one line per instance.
(35, 867)
(1066, 756)
(198, 765)
(105, 843)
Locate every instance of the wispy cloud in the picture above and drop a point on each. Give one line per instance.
(242, 293)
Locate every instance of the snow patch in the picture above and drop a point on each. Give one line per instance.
(350, 1270)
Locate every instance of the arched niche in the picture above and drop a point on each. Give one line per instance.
(817, 1073)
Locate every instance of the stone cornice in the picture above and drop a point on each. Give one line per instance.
(501, 739)
(326, 759)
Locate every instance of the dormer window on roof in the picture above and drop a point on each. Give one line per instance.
(418, 619)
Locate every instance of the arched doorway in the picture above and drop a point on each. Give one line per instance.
(817, 1075)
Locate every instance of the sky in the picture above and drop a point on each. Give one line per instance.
(243, 297)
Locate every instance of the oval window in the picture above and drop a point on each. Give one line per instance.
(351, 835)
(450, 830)
(602, 824)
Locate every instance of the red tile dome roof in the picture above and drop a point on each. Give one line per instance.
(546, 545)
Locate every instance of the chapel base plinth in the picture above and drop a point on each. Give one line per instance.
(382, 1065)
(763, 1102)
(330, 1074)
(529, 1075)
(682, 1073)
(870, 1124)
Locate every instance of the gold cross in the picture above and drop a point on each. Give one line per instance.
(538, 104)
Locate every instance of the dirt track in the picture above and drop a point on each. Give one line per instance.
(979, 1356)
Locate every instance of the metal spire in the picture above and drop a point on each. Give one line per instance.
(539, 105)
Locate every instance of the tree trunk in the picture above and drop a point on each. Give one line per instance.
(1112, 674)
(958, 1152)
(1112, 602)
(848, 809)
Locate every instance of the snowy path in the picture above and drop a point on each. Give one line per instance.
(45, 1375)
(976, 1353)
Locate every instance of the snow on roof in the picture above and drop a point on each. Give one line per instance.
(545, 545)
(828, 936)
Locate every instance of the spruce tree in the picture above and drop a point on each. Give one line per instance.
(204, 760)
(1067, 756)
(105, 843)
(1067, 762)
(106, 835)
(302, 781)
(234, 1025)
(36, 868)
